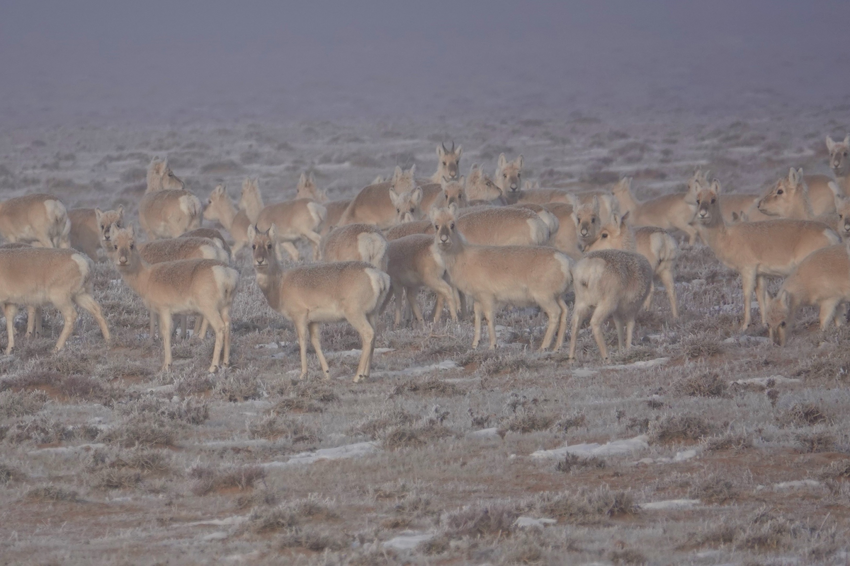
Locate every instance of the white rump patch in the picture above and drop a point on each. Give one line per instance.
(539, 230)
(84, 263)
(317, 211)
(613, 448)
(380, 281)
(190, 205)
(339, 453)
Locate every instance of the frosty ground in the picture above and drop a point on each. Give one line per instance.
(700, 446)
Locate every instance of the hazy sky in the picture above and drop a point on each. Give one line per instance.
(64, 61)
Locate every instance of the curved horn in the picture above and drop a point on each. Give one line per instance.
(453, 146)
(444, 147)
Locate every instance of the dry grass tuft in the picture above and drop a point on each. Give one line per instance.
(272, 427)
(141, 430)
(703, 385)
(241, 478)
(314, 541)
(627, 557)
(703, 348)
(587, 507)
(524, 423)
(52, 493)
(430, 387)
(375, 427)
(728, 441)
(240, 386)
(414, 437)
(61, 386)
(574, 463)
(679, 428)
(42, 430)
(803, 414)
(264, 520)
(840, 470)
(189, 411)
(9, 474)
(714, 490)
(478, 521)
(297, 405)
(816, 442)
(14, 404)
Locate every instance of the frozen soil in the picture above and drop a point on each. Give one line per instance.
(726, 452)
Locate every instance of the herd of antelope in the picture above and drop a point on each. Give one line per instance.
(491, 241)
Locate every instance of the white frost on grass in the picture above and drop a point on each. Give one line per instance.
(744, 340)
(353, 353)
(613, 448)
(484, 433)
(798, 484)
(63, 450)
(355, 450)
(644, 364)
(408, 540)
(767, 381)
(670, 504)
(418, 370)
(533, 522)
(227, 521)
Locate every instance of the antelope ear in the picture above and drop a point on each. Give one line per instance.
(113, 231)
(784, 298)
(458, 151)
(624, 219)
(502, 161)
(272, 232)
(829, 143)
(735, 217)
(432, 214)
(462, 181)
(412, 170)
(715, 186)
(396, 174)
(792, 176)
(252, 232)
(98, 214)
(302, 180)
(439, 151)
(847, 139)
(394, 196)
(131, 231)
(519, 161)
(416, 196)
(443, 182)
(121, 211)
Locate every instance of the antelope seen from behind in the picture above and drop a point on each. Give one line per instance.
(329, 292)
(166, 209)
(193, 286)
(657, 246)
(294, 219)
(356, 242)
(39, 219)
(609, 284)
(386, 204)
(666, 212)
(220, 208)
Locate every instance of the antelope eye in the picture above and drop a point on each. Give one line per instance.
(488, 183)
(132, 246)
(412, 209)
(398, 210)
(444, 163)
(269, 245)
(780, 191)
(593, 221)
(841, 217)
(115, 248)
(505, 176)
(712, 201)
(253, 246)
(452, 226)
(604, 234)
(782, 324)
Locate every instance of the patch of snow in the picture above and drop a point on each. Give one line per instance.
(799, 484)
(218, 535)
(744, 340)
(161, 389)
(66, 449)
(346, 353)
(269, 346)
(613, 448)
(408, 540)
(234, 520)
(338, 453)
(235, 443)
(532, 522)
(485, 433)
(670, 504)
(767, 381)
(644, 364)
(685, 455)
(582, 373)
(418, 370)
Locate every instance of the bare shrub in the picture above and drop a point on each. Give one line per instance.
(575, 421)
(208, 480)
(627, 557)
(431, 387)
(476, 521)
(816, 442)
(188, 411)
(297, 405)
(263, 520)
(72, 386)
(314, 541)
(573, 462)
(840, 469)
(9, 474)
(52, 493)
(116, 478)
(803, 414)
(21, 403)
(272, 426)
(524, 423)
(587, 506)
(678, 428)
(41, 430)
(402, 437)
(702, 385)
(240, 386)
(141, 430)
(715, 489)
(728, 441)
(394, 418)
(702, 348)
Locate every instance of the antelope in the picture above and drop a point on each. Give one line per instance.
(566, 238)
(408, 228)
(551, 221)
(329, 292)
(822, 279)
(40, 218)
(480, 189)
(502, 226)
(666, 212)
(517, 275)
(308, 189)
(587, 219)
(294, 219)
(448, 163)
(210, 234)
(820, 195)
(89, 227)
(335, 210)
(166, 209)
(610, 284)
(386, 204)
(414, 262)
(38, 276)
(442, 194)
(657, 246)
(220, 208)
(356, 242)
(509, 177)
(34, 318)
(842, 209)
(789, 198)
(756, 249)
(200, 286)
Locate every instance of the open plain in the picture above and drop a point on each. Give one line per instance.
(699, 446)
